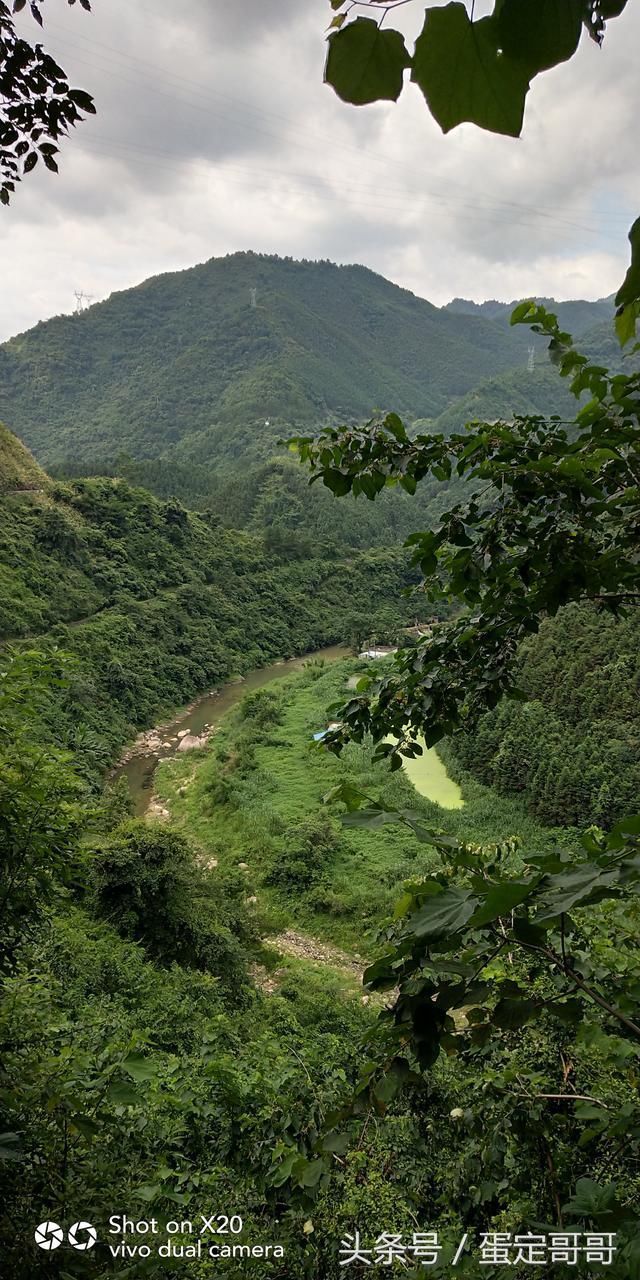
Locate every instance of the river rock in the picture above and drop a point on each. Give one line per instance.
(190, 742)
(182, 733)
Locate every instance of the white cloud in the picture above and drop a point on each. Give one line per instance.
(215, 133)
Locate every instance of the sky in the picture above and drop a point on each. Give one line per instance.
(214, 133)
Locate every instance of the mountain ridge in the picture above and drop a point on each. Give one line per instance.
(186, 352)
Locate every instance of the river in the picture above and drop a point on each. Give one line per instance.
(207, 712)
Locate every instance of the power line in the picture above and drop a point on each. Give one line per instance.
(203, 103)
(368, 198)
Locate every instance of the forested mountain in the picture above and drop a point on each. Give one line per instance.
(187, 359)
(538, 389)
(576, 316)
(518, 391)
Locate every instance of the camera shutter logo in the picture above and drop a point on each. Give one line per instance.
(82, 1235)
(48, 1235)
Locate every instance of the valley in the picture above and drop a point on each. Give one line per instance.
(221, 933)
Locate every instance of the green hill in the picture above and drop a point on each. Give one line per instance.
(157, 603)
(186, 359)
(539, 390)
(519, 391)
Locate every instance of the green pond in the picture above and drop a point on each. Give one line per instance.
(429, 776)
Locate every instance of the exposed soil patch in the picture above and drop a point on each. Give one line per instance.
(301, 945)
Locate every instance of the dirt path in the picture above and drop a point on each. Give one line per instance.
(304, 947)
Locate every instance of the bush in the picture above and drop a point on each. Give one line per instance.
(307, 849)
(148, 884)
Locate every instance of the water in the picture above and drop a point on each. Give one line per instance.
(207, 711)
(429, 776)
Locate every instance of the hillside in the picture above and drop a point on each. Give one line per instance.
(519, 391)
(539, 390)
(572, 751)
(186, 359)
(156, 603)
(19, 470)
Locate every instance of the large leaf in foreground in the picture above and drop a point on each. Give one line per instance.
(464, 76)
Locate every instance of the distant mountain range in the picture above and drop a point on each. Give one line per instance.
(192, 378)
(576, 317)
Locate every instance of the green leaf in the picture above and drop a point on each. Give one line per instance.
(443, 914)
(510, 1014)
(629, 290)
(540, 33)
(463, 76)
(590, 1199)
(312, 1174)
(570, 888)
(123, 1094)
(285, 1168)
(380, 976)
(335, 1143)
(366, 63)
(501, 899)
(625, 322)
(522, 312)
(85, 1126)
(148, 1191)
(139, 1068)
(337, 482)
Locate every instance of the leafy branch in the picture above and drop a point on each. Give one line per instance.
(37, 104)
(550, 515)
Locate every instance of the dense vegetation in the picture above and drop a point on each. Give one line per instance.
(146, 1025)
(572, 750)
(135, 1040)
(157, 604)
(171, 990)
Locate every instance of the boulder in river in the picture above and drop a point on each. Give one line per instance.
(190, 742)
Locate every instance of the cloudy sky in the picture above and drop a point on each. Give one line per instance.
(215, 133)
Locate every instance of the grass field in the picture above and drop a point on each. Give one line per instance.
(255, 797)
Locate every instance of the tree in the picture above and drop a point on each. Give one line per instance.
(551, 516)
(37, 104)
(40, 813)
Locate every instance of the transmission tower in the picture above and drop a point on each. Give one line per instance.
(532, 359)
(82, 301)
(253, 293)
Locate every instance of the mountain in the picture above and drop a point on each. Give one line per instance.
(540, 389)
(187, 360)
(519, 391)
(577, 317)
